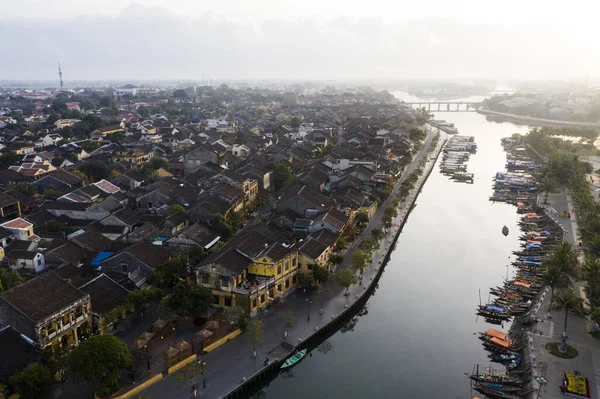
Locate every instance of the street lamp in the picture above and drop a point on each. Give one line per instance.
(541, 381)
(308, 310)
(203, 372)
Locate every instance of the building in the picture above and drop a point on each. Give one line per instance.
(9, 206)
(20, 229)
(104, 131)
(47, 310)
(30, 260)
(62, 123)
(106, 296)
(133, 157)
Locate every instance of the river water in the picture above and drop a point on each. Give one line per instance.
(415, 338)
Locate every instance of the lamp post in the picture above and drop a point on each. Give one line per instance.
(203, 364)
(541, 381)
(308, 310)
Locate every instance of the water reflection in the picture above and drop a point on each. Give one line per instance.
(348, 327)
(326, 347)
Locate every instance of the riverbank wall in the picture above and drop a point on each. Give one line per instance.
(529, 120)
(250, 385)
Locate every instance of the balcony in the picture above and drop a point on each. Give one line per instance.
(79, 319)
(248, 288)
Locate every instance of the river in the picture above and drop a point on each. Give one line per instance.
(415, 338)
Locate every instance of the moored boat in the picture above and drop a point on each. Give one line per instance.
(295, 358)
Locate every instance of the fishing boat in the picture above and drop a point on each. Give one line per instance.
(505, 357)
(505, 231)
(295, 358)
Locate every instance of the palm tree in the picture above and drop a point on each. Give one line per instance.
(591, 274)
(564, 258)
(546, 185)
(555, 278)
(570, 302)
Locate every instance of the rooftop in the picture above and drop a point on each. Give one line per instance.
(105, 293)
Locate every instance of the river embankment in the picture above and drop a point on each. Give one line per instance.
(529, 120)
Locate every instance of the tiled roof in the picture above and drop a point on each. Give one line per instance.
(21, 353)
(107, 186)
(92, 241)
(105, 293)
(312, 248)
(17, 223)
(42, 296)
(148, 253)
(6, 200)
(66, 177)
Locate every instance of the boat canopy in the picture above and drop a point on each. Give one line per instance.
(534, 242)
(501, 342)
(495, 333)
(531, 246)
(522, 284)
(531, 262)
(495, 308)
(545, 233)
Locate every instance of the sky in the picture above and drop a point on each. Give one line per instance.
(302, 39)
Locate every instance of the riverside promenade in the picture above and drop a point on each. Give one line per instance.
(232, 367)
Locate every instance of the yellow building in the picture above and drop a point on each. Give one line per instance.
(249, 272)
(48, 310)
(132, 157)
(61, 123)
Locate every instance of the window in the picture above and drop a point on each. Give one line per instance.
(224, 282)
(279, 287)
(310, 266)
(227, 301)
(262, 298)
(205, 279)
(254, 303)
(287, 283)
(124, 267)
(294, 280)
(287, 265)
(279, 269)
(294, 262)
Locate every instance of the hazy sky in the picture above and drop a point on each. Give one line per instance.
(307, 39)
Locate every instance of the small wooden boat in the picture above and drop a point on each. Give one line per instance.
(295, 358)
(505, 231)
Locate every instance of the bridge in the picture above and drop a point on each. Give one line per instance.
(446, 106)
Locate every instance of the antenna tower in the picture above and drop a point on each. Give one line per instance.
(60, 76)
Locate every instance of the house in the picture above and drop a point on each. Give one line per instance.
(73, 106)
(75, 210)
(201, 155)
(34, 170)
(104, 131)
(62, 123)
(312, 251)
(248, 185)
(9, 206)
(30, 260)
(24, 149)
(196, 235)
(233, 195)
(131, 179)
(249, 272)
(47, 310)
(304, 201)
(20, 229)
(132, 157)
(135, 263)
(106, 295)
(333, 220)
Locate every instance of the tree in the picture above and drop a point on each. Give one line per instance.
(31, 381)
(546, 185)
(115, 137)
(555, 278)
(362, 218)
(336, 259)
(360, 259)
(95, 170)
(320, 274)
(288, 320)
(24, 188)
(295, 122)
(255, 334)
(51, 194)
(234, 314)
(219, 224)
(158, 162)
(377, 233)
(144, 296)
(565, 259)
(591, 274)
(341, 242)
(100, 360)
(282, 175)
(176, 208)
(569, 302)
(345, 278)
(8, 159)
(9, 279)
(305, 280)
(89, 146)
(190, 299)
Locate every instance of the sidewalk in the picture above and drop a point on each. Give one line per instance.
(550, 329)
(230, 364)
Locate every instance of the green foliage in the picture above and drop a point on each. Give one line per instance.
(570, 302)
(320, 274)
(158, 162)
(225, 230)
(288, 319)
(95, 170)
(255, 334)
(8, 159)
(89, 145)
(368, 245)
(144, 296)
(341, 242)
(360, 259)
(361, 218)
(305, 280)
(115, 137)
(190, 300)
(282, 175)
(24, 188)
(9, 279)
(173, 209)
(336, 259)
(345, 278)
(377, 233)
(100, 360)
(51, 194)
(295, 122)
(234, 314)
(32, 381)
